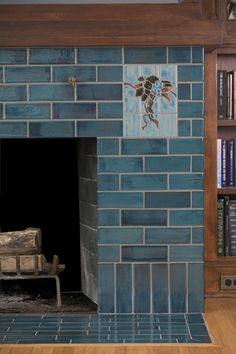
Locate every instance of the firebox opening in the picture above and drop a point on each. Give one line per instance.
(40, 188)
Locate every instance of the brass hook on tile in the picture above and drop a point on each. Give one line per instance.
(72, 81)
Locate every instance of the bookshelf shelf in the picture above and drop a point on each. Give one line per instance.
(226, 123)
(226, 191)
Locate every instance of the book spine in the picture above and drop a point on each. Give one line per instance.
(219, 165)
(230, 165)
(229, 114)
(226, 226)
(223, 162)
(220, 227)
(232, 227)
(221, 94)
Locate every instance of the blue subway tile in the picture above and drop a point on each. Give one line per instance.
(184, 92)
(186, 253)
(197, 127)
(186, 146)
(1, 75)
(52, 56)
(100, 128)
(108, 182)
(167, 199)
(190, 73)
(106, 293)
(110, 110)
(186, 217)
(13, 56)
(190, 109)
(195, 287)
(1, 110)
(179, 54)
(144, 217)
(51, 129)
(13, 130)
(110, 73)
(197, 235)
(108, 253)
(99, 92)
(184, 128)
(169, 235)
(108, 217)
(27, 111)
(51, 92)
(74, 110)
(197, 199)
(141, 288)
(62, 73)
(160, 288)
(120, 164)
(120, 200)
(123, 288)
(143, 182)
(120, 235)
(142, 55)
(197, 163)
(167, 164)
(177, 288)
(197, 91)
(197, 54)
(13, 93)
(144, 146)
(194, 318)
(28, 74)
(108, 146)
(144, 253)
(99, 55)
(186, 181)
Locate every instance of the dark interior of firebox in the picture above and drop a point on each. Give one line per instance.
(39, 188)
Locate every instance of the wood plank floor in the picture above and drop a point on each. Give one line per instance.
(220, 315)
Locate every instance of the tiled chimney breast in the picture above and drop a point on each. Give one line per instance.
(150, 185)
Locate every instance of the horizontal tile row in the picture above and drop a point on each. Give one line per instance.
(148, 288)
(132, 55)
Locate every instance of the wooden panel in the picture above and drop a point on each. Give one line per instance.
(117, 24)
(213, 272)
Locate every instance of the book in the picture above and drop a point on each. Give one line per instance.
(230, 163)
(219, 165)
(226, 225)
(223, 163)
(220, 227)
(221, 93)
(229, 96)
(232, 227)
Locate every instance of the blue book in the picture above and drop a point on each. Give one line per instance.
(219, 167)
(230, 163)
(223, 162)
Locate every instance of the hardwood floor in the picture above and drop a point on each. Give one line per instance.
(220, 316)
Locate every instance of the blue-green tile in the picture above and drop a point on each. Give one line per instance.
(197, 54)
(108, 146)
(186, 181)
(169, 235)
(1, 110)
(194, 318)
(13, 93)
(51, 129)
(186, 217)
(197, 163)
(123, 288)
(184, 128)
(137, 55)
(99, 55)
(1, 75)
(144, 217)
(106, 293)
(13, 130)
(110, 73)
(58, 92)
(99, 92)
(108, 253)
(101, 128)
(179, 54)
(144, 254)
(120, 235)
(108, 182)
(190, 73)
(120, 200)
(167, 199)
(184, 92)
(51, 56)
(141, 288)
(197, 330)
(160, 288)
(108, 217)
(197, 235)
(27, 111)
(28, 74)
(186, 253)
(195, 287)
(186, 146)
(120, 164)
(110, 110)
(144, 146)
(143, 182)
(167, 164)
(197, 127)
(197, 91)
(74, 110)
(177, 288)
(197, 199)
(81, 74)
(13, 56)
(190, 109)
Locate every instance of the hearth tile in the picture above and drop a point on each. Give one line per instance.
(108, 182)
(186, 146)
(1, 110)
(179, 55)
(141, 292)
(27, 111)
(197, 54)
(120, 164)
(51, 56)
(123, 290)
(74, 110)
(108, 217)
(143, 182)
(186, 181)
(109, 254)
(197, 329)
(110, 73)
(195, 287)
(108, 146)
(188, 73)
(27, 74)
(80, 73)
(13, 93)
(120, 236)
(186, 253)
(144, 146)
(159, 289)
(197, 127)
(110, 110)
(197, 199)
(167, 164)
(186, 217)
(144, 217)
(106, 294)
(51, 92)
(190, 109)
(99, 92)
(197, 235)
(144, 254)
(184, 127)
(99, 128)
(51, 129)
(184, 92)
(194, 318)
(177, 288)
(13, 56)
(197, 91)
(99, 55)
(120, 200)
(201, 339)
(1, 75)
(170, 235)
(167, 199)
(138, 55)
(13, 130)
